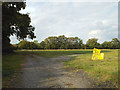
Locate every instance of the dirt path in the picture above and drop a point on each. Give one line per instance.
(41, 72)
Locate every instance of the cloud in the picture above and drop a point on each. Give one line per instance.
(81, 19)
(67, 34)
(94, 32)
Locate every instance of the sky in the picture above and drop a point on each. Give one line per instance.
(73, 19)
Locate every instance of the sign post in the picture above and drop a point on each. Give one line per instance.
(97, 55)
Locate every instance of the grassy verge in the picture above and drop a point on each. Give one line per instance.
(103, 70)
(11, 65)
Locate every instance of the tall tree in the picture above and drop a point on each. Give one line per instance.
(62, 42)
(106, 45)
(24, 44)
(115, 43)
(92, 43)
(15, 23)
(42, 45)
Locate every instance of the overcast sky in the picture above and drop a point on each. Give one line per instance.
(82, 19)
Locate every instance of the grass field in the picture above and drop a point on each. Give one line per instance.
(103, 70)
(11, 64)
(55, 53)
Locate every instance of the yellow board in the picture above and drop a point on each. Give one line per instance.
(101, 56)
(97, 55)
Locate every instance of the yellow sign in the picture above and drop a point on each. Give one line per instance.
(97, 54)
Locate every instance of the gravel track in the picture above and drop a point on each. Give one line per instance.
(41, 72)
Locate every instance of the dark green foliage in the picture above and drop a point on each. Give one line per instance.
(42, 45)
(24, 44)
(114, 44)
(62, 42)
(28, 45)
(15, 23)
(106, 45)
(92, 43)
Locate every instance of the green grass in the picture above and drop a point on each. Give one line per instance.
(103, 70)
(55, 53)
(11, 65)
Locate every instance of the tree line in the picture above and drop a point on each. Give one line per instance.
(62, 42)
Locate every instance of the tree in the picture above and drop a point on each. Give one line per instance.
(33, 45)
(36, 44)
(35, 41)
(42, 45)
(62, 42)
(115, 43)
(28, 45)
(106, 45)
(92, 43)
(24, 44)
(15, 23)
(78, 43)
